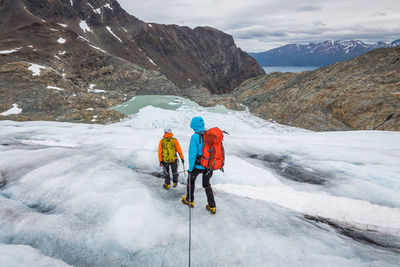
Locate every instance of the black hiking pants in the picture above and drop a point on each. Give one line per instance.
(207, 174)
(166, 173)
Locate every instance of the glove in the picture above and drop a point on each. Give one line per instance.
(161, 163)
(183, 161)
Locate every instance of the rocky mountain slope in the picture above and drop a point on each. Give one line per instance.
(320, 54)
(361, 93)
(70, 60)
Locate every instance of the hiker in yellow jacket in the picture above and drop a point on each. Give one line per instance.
(167, 157)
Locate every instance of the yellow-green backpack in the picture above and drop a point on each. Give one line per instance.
(168, 148)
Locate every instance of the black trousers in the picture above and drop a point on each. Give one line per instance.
(166, 173)
(207, 174)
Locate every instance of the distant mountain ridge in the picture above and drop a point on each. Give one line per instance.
(320, 54)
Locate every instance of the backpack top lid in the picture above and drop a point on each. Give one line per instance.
(214, 136)
(167, 130)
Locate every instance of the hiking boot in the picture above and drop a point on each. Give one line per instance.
(210, 209)
(186, 202)
(175, 184)
(166, 186)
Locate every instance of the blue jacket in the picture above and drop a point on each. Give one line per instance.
(196, 142)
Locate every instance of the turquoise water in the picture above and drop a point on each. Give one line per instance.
(166, 102)
(162, 101)
(289, 68)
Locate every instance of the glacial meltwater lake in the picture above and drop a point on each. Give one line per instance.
(166, 102)
(270, 69)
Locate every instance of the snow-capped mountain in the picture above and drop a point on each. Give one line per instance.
(320, 54)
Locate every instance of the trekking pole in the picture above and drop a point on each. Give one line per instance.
(190, 218)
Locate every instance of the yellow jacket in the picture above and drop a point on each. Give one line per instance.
(177, 147)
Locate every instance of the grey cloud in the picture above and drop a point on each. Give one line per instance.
(257, 23)
(258, 34)
(309, 8)
(319, 23)
(379, 14)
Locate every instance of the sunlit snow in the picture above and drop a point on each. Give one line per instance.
(151, 61)
(36, 69)
(55, 88)
(98, 48)
(3, 52)
(14, 110)
(108, 6)
(61, 40)
(109, 29)
(84, 26)
(89, 195)
(84, 39)
(63, 25)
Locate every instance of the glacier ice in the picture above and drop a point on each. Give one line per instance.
(89, 195)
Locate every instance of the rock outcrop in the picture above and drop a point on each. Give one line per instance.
(362, 93)
(97, 55)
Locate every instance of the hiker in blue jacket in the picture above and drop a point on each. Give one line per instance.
(195, 152)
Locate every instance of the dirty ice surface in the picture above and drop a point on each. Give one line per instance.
(90, 195)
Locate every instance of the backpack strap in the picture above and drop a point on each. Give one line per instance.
(198, 157)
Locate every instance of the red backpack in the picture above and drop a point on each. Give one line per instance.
(213, 154)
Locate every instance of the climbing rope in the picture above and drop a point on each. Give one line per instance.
(190, 218)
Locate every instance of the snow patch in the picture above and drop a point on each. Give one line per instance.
(28, 11)
(124, 29)
(151, 61)
(98, 10)
(3, 52)
(63, 25)
(72, 3)
(91, 109)
(14, 110)
(55, 88)
(109, 29)
(150, 25)
(96, 91)
(108, 6)
(84, 26)
(61, 40)
(62, 52)
(84, 39)
(98, 48)
(36, 69)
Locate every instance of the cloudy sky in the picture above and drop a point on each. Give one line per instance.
(259, 25)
